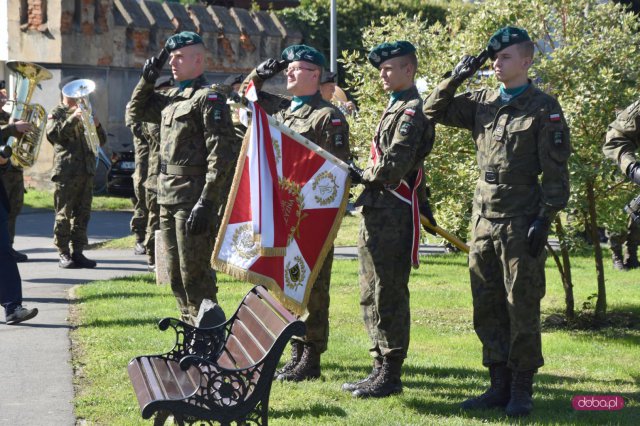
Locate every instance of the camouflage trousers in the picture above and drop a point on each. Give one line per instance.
(188, 260)
(384, 252)
(140, 210)
(13, 179)
(507, 285)
(316, 318)
(153, 224)
(628, 239)
(72, 202)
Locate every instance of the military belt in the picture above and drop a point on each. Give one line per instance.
(172, 169)
(493, 177)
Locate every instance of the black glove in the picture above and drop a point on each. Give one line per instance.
(467, 67)
(271, 67)
(425, 210)
(633, 171)
(200, 217)
(537, 235)
(355, 173)
(153, 66)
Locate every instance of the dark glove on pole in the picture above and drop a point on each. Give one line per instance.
(200, 217)
(537, 235)
(425, 210)
(153, 66)
(271, 67)
(633, 171)
(355, 173)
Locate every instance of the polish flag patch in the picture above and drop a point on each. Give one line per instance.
(212, 96)
(554, 117)
(410, 112)
(336, 122)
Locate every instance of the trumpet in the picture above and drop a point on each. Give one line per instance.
(80, 91)
(25, 148)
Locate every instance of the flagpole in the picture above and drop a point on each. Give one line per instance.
(334, 36)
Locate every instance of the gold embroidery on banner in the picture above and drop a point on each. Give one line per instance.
(295, 274)
(327, 188)
(243, 242)
(292, 205)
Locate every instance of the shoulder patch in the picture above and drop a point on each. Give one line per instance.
(554, 117)
(336, 122)
(212, 96)
(410, 112)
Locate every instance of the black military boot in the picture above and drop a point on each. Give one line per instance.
(307, 368)
(631, 262)
(616, 257)
(521, 402)
(386, 383)
(296, 353)
(497, 395)
(65, 261)
(352, 386)
(82, 262)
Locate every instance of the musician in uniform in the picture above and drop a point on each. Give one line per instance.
(12, 176)
(73, 172)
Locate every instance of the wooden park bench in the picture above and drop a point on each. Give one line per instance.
(219, 374)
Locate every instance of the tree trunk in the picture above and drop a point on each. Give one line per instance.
(601, 303)
(567, 281)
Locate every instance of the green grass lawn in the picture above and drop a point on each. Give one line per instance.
(116, 321)
(39, 199)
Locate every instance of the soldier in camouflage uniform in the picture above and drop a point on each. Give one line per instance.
(73, 172)
(150, 132)
(140, 216)
(13, 176)
(323, 124)
(519, 132)
(622, 142)
(197, 157)
(392, 177)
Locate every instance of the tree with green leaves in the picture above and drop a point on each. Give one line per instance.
(586, 58)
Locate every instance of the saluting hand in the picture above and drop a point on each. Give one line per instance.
(467, 67)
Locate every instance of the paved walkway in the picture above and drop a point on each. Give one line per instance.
(35, 359)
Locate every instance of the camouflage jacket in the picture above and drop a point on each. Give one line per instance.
(197, 153)
(515, 143)
(151, 132)
(317, 120)
(73, 155)
(623, 137)
(405, 137)
(7, 129)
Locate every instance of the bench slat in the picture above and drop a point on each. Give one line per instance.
(268, 317)
(250, 343)
(275, 305)
(237, 353)
(258, 329)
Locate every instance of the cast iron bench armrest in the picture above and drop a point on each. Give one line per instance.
(190, 340)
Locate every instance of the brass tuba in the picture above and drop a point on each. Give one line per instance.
(80, 91)
(27, 76)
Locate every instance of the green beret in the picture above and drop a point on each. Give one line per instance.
(505, 37)
(302, 52)
(180, 40)
(385, 51)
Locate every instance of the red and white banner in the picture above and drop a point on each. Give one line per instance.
(283, 212)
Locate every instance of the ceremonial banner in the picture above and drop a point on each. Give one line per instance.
(285, 208)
